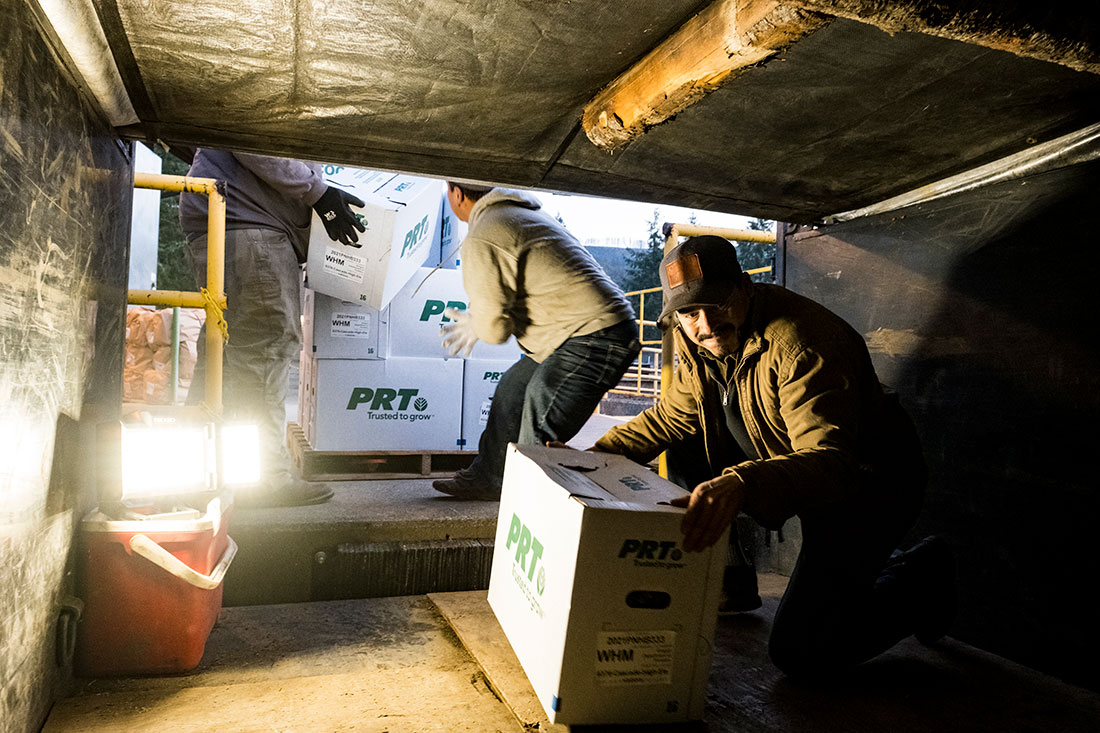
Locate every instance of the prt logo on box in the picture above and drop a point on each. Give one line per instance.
(436, 307)
(634, 483)
(492, 377)
(528, 551)
(415, 237)
(383, 398)
(642, 549)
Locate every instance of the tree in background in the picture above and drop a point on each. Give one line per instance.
(173, 264)
(643, 266)
(752, 255)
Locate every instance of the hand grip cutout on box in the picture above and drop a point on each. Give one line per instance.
(648, 599)
(576, 482)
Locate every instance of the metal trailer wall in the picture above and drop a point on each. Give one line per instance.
(980, 311)
(65, 196)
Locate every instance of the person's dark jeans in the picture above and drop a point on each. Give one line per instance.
(841, 608)
(843, 605)
(550, 401)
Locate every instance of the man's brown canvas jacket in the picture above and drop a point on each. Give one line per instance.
(824, 429)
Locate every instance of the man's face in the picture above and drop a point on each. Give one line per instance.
(715, 328)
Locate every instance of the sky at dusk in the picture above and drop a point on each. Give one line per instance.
(593, 218)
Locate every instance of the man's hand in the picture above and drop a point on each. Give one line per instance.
(711, 508)
(334, 208)
(459, 336)
(559, 444)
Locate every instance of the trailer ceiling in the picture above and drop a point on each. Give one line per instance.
(832, 112)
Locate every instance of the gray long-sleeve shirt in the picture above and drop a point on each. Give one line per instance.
(261, 193)
(527, 276)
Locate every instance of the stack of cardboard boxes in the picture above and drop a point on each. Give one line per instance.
(373, 373)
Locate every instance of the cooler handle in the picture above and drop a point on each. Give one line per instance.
(160, 557)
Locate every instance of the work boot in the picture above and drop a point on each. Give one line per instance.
(294, 492)
(740, 592)
(928, 567)
(464, 485)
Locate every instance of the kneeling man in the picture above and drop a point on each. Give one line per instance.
(780, 403)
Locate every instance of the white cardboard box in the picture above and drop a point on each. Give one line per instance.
(479, 384)
(385, 404)
(336, 329)
(415, 317)
(612, 622)
(400, 217)
(357, 180)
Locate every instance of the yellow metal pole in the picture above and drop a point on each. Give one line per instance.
(641, 334)
(183, 184)
(741, 235)
(215, 285)
(177, 298)
(215, 275)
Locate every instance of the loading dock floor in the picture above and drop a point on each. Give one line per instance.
(440, 663)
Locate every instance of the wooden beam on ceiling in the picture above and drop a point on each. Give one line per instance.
(1062, 33)
(707, 51)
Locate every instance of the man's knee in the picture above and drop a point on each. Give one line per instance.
(796, 659)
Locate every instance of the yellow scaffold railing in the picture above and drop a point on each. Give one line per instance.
(210, 298)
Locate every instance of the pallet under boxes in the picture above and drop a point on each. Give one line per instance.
(320, 465)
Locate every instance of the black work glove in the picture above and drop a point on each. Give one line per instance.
(340, 222)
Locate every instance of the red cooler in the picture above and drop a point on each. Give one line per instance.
(152, 589)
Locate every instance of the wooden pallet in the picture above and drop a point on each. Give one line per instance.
(318, 465)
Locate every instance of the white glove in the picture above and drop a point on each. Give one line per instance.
(458, 336)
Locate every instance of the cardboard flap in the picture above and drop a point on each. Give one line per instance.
(604, 479)
(576, 482)
(633, 506)
(403, 189)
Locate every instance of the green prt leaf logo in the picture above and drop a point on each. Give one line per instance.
(540, 582)
(420, 404)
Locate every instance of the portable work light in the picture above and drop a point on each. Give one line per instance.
(162, 456)
(166, 460)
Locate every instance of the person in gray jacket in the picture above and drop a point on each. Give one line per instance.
(269, 203)
(527, 276)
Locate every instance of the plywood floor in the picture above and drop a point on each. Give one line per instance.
(385, 665)
(947, 688)
(441, 663)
